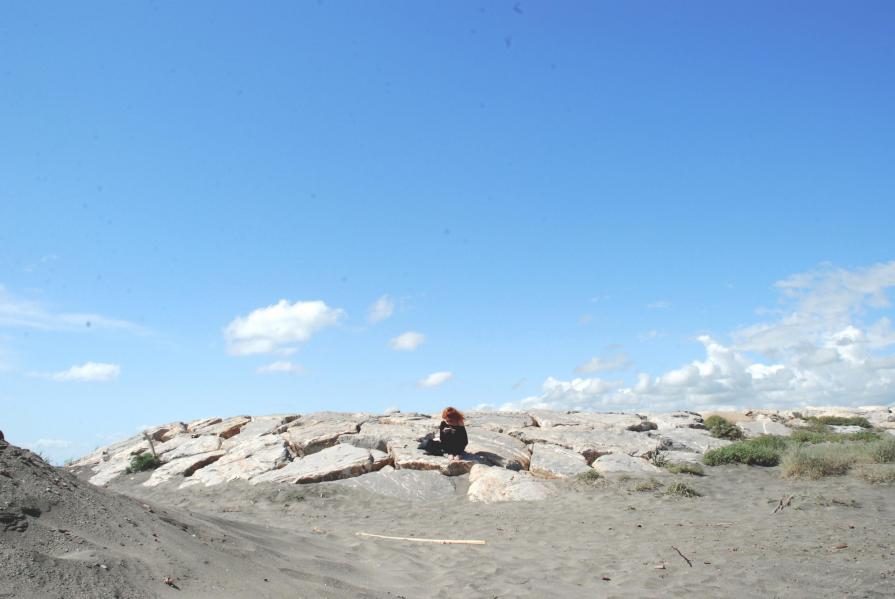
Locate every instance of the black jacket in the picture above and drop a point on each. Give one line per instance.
(453, 438)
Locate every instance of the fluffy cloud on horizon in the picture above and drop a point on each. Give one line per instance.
(18, 312)
(88, 372)
(435, 379)
(826, 343)
(408, 341)
(277, 328)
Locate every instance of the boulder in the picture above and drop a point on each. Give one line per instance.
(764, 426)
(488, 484)
(308, 436)
(244, 461)
(224, 429)
(265, 425)
(410, 457)
(497, 449)
(189, 446)
(115, 465)
(182, 467)
(339, 461)
(407, 485)
(593, 443)
(499, 422)
(374, 435)
(689, 439)
(588, 420)
(620, 463)
(407, 417)
(202, 423)
(553, 461)
(673, 420)
(680, 456)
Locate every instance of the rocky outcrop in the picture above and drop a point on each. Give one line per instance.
(763, 425)
(182, 467)
(553, 461)
(498, 449)
(491, 485)
(594, 443)
(688, 439)
(339, 461)
(244, 462)
(620, 463)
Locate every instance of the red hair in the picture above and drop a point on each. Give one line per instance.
(452, 416)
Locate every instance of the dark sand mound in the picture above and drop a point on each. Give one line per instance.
(63, 537)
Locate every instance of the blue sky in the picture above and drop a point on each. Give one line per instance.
(561, 198)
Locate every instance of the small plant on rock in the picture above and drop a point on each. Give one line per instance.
(723, 428)
(761, 451)
(647, 485)
(681, 490)
(842, 421)
(588, 476)
(142, 462)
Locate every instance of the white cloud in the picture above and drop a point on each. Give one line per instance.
(408, 341)
(829, 344)
(617, 362)
(18, 312)
(381, 309)
(280, 366)
(435, 379)
(275, 328)
(659, 305)
(89, 372)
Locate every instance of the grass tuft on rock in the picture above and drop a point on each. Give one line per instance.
(685, 468)
(817, 461)
(813, 437)
(681, 490)
(761, 451)
(723, 428)
(142, 462)
(647, 485)
(841, 421)
(588, 476)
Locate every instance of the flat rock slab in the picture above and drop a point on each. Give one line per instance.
(764, 426)
(497, 449)
(265, 425)
(374, 435)
(588, 420)
(689, 439)
(182, 467)
(410, 457)
(620, 463)
(408, 417)
(244, 461)
(115, 465)
(679, 457)
(224, 429)
(671, 420)
(499, 422)
(407, 485)
(332, 463)
(593, 443)
(488, 484)
(309, 437)
(553, 461)
(190, 446)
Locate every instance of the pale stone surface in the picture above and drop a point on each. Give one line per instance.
(620, 463)
(225, 429)
(764, 426)
(592, 443)
(553, 461)
(671, 420)
(184, 466)
(587, 420)
(192, 446)
(497, 449)
(408, 417)
(846, 429)
(408, 485)
(488, 484)
(202, 423)
(114, 465)
(339, 461)
(499, 422)
(689, 439)
(264, 425)
(676, 457)
(383, 437)
(410, 457)
(309, 437)
(244, 461)
(891, 431)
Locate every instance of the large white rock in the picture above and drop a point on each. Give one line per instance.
(497, 449)
(408, 485)
(593, 443)
(308, 436)
(374, 435)
(620, 463)
(190, 446)
(265, 425)
(409, 457)
(116, 464)
(689, 439)
(553, 461)
(339, 461)
(499, 422)
(588, 420)
(182, 467)
(672, 420)
(244, 461)
(488, 484)
(224, 429)
(677, 457)
(764, 426)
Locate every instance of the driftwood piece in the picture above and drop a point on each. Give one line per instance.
(685, 558)
(784, 502)
(151, 445)
(416, 540)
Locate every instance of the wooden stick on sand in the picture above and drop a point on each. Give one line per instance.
(416, 540)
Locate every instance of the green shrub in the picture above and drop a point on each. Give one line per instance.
(883, 452)
(842, 421)
(817, 461)
(685, 468)
(723, 428)
(588, 476)
(761, 451)
(141, 462)
(682, 490)
(647, 485)
(814, 437)
(659, 460)
(877, 473)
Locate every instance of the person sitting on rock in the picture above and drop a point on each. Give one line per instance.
(452, 438)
